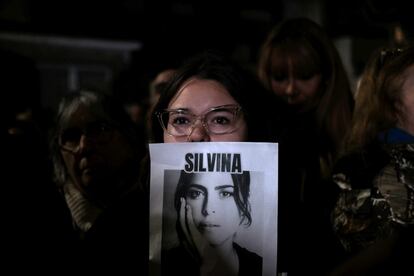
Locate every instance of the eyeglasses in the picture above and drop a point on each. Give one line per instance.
(217, 120)
(97, 132)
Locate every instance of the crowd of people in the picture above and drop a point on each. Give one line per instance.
(346, 186)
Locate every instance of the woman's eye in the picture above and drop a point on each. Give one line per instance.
(220, 117)
(224, 194)
(71, 135)
(279, 77)
(179, 120)
(194, 194)
(305, 77)
(97, 129)
(222, 120)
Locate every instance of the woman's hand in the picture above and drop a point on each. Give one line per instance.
(194, 240)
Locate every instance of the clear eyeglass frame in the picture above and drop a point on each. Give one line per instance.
(233, 111)
(97, 133)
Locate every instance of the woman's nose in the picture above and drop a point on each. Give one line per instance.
(84, 143)
(209, 207)
(198, 133)
(290, 87)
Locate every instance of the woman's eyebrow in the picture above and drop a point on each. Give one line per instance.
(179, 109)
(197, 186)
(223, 187)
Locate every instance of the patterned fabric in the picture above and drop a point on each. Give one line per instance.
(84, 213)
(364, 214)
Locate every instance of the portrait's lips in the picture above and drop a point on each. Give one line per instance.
(208, 225)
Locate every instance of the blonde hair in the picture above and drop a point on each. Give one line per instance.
(378, 96)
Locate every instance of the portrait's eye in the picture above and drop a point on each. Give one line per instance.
(194, 193)
(225, 193)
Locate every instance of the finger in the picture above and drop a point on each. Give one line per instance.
(197, 237)
(188, 240)
(190, 221)
(182, 218)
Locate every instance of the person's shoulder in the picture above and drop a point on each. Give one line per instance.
(245, 253)
(174, 252)
(177, 261)
(250, 262)
(360, 168)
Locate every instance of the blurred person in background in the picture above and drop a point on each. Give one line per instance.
(301, 66)
(374, 214)
(96, 152)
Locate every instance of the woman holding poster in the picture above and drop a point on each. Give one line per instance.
(211, 99)
(211, 206)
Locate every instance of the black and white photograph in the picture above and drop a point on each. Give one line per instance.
(211, 218)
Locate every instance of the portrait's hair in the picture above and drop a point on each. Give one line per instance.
(378, 99)
(106, 108)
(241, 84)
(241, 182)
(311, 52)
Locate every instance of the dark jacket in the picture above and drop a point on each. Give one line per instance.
(177, 261)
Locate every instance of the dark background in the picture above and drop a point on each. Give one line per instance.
(192, 24)
(163, 33)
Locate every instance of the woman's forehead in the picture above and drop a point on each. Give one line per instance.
(199, 95)
(212, 179)
(297, 59)
(80, 115)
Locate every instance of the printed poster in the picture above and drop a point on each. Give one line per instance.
(213, 208)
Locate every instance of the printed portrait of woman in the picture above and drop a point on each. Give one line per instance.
(210, 209)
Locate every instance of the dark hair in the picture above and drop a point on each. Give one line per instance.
(105, 107)
(241, 84)
(241, 183)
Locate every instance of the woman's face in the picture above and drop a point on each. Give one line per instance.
(198, 96)
(406, 105)
(94, 154)
(214, 210)
(302, 92)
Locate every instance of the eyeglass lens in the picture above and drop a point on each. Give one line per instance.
(217, 121)
(98, 132)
